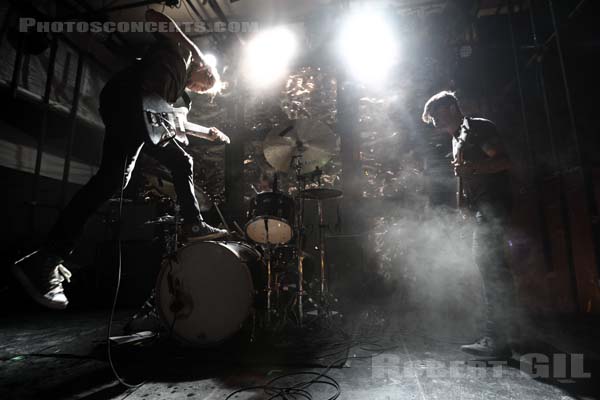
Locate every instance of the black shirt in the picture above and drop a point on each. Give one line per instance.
(473, 138)
(162, 70)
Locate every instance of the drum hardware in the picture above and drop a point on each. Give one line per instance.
(239, 229)
(321, 250)
(170, 228)
(158, 181)
(222, 217)
(268, 259)
(224, 221)
(170, 240)
(269, 289)
(297, 161)
(116, 200)
(162, 220)
(320, 194)
(171, 246)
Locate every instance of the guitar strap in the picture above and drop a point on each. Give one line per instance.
(187, 100)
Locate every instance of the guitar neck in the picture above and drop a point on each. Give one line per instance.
(200, 135)
(192, 129)
(198, 131)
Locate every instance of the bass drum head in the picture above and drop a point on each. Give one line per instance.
(206, 293)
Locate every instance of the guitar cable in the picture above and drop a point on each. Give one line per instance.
(162, 123)
(118, 285)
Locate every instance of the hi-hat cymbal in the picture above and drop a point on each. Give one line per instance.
(113, 200)
(164, 219)
(311, 139)
(320, 194)
(160, 182)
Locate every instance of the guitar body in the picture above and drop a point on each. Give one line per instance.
(160, 120)
(164, 123)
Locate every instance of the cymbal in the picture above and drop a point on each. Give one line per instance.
(309, 138)
(118, 200)
(163, 219)
(320, 194)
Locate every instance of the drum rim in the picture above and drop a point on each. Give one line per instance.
(163, 319)
(282, 194)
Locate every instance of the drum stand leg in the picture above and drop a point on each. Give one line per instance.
(323, 284)
(300, 289)
(299, 243)
(269, 283)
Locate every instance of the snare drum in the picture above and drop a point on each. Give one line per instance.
(271, 218)
(206, 293)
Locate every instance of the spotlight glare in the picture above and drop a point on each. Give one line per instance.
(267, 56)
(210, 59)
(368, 45)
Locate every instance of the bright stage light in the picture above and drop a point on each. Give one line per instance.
(368, 45)
(268, 55)
(210, 59)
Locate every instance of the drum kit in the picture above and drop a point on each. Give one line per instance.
(208, 291)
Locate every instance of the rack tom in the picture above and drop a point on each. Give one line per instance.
(271, 218)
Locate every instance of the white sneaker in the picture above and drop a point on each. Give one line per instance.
(42, 276)
(488, 347)
(202, 232)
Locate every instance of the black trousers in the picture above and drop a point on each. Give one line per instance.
(489, 256)
(123, 140)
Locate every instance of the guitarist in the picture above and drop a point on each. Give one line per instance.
(171, 65)
(482, 166)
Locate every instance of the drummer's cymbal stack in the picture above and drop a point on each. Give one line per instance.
(302, 148)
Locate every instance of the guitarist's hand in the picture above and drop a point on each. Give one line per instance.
(218, 136)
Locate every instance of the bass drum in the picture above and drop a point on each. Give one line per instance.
(205, 294)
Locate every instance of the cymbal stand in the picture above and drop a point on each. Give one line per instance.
(323, 280)
(322, 226)
(299, 236)
(171, 235)
(268, 255)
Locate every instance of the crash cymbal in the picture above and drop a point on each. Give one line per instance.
(320, 194)
(309, 138)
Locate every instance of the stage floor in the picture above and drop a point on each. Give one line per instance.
(62, 355)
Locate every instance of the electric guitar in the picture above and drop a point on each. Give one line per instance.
(164, 123)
